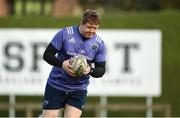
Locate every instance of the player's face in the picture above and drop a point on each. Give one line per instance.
(88, 30)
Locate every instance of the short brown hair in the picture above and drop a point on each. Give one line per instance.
(90, 16)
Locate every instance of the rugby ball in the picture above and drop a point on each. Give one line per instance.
(79, 64)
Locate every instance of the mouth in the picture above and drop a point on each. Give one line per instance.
(89, 33)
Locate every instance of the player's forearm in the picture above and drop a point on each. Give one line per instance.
(50, 58)
(99, 70)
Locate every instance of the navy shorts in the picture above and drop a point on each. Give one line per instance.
(56, 99)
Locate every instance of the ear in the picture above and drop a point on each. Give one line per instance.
(81, 23)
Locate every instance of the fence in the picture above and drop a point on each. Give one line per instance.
(137, 107)
(25, 7)
(39, 7)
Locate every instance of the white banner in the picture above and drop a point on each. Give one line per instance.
(133, 62)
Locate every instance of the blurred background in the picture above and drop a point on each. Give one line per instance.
(115, 14)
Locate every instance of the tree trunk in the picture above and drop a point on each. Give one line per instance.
(4, 8)
(65, 7)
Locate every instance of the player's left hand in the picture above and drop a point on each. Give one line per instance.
(87, 70)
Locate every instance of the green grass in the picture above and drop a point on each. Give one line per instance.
(36, 21)
(167, 21)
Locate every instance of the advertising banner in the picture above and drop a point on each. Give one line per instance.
(133, 66)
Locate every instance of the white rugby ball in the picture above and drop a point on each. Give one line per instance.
(79, 64)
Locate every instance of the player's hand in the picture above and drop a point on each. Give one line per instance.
(67, 67)
(87, 70)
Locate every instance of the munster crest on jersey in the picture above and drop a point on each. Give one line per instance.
(94, 46)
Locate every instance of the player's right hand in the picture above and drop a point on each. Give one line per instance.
(67, 67)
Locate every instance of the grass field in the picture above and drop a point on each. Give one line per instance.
(167, 21)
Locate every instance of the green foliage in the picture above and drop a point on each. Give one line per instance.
(166, 21)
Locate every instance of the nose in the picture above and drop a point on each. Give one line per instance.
(91, 30)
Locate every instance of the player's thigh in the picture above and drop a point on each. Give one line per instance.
(77, 99)
(53, 98)
(50, 113)
(71, 111)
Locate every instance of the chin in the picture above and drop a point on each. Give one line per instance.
(90, 36)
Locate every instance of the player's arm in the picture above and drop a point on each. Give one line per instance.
(50, 58)
(99, 69)
(50, 53)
